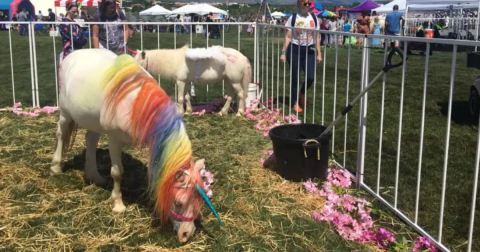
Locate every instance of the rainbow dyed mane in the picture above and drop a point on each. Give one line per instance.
(153, 123)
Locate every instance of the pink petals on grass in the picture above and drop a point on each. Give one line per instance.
(268, 119)
(351, 215)
(207, 177)
(423, 243)
(35, 112)
(201, 113)
(268, 154)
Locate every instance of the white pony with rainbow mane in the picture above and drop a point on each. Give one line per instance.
(106, 94)
(200, 66)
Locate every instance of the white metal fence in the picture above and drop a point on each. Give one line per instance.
(458, 28)
(146, 36)
(397, 153)
(420, 194)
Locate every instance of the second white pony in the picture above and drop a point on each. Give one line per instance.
(200, 66)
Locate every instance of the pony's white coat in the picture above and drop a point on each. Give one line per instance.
(81, 102)
(200, 66)
(213, 52)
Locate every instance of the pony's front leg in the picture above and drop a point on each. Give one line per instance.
(64, 130)
(91, 171)
(228, 102)
(180, 96)
(115, 149)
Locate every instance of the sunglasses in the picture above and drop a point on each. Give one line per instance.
(306, 4)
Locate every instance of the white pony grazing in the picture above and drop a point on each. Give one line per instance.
(106, 94)
(201, 66)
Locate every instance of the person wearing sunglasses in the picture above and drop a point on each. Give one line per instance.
(71, 32)
(113, 37)
(301, 50)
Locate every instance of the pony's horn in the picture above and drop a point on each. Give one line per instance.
(202, 193)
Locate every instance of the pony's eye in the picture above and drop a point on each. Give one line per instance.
(178, 204)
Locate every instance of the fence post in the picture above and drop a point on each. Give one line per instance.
(35, 69)
(32, 74)
(362, 121)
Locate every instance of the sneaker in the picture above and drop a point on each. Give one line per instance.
(297, 108)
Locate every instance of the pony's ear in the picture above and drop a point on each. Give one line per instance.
(180, 176)
(143, 54)
(199, 165)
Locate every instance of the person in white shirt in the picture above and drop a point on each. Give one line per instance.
(333, 27)
(300, 49)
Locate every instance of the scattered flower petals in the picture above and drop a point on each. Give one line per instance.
(207, 177)
(268, 152)
(423, 243)
(268, 119)
(35, 112)
(201, 113)
(351, 215)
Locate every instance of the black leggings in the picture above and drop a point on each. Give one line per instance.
(306, 63)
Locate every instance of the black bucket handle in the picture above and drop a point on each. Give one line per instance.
(388, 64)
(316, 144)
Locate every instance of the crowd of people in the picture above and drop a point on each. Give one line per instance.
(113, 37)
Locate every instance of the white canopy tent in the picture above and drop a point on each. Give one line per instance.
(156, 10)
(199, 9)
(442, 4)
(278, 14)
(402, 7)
(445, 2)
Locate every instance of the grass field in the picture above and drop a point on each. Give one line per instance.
(29, 145)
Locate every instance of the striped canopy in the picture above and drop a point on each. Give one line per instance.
(94, 3)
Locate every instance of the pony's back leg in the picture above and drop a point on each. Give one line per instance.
(115, 149)
(188, 96)
(65, 127)
(91, 171)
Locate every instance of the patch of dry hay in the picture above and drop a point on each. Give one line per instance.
(62, 213)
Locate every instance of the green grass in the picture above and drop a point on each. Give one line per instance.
(462, 139)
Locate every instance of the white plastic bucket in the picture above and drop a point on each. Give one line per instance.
(253, 94)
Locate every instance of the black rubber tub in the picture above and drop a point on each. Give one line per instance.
(299, 152)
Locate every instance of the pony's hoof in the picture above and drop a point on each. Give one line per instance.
(119, 209)
(55, 170)
(239, 114)
(188, 112)
(97, 179)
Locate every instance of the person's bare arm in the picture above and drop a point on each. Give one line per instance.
(127, 32)
(95, 36)
(288, 38)
(319, 48)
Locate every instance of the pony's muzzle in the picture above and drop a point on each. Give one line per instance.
(185, 232)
